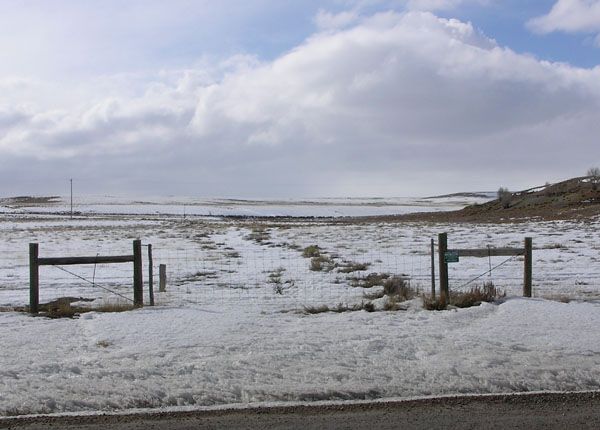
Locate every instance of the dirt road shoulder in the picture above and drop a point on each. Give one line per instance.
(523, 411)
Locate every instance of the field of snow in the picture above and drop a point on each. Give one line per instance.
(184, 206)
(231, 328)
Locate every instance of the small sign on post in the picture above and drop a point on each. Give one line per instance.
(451, 256)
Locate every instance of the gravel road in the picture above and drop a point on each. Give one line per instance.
(525, 411)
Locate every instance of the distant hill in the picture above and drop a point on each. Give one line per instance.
(577, 198)
(573, 198)
(477, 194)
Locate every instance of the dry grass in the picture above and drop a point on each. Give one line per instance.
(394, 304)
(311, 251)
(276, 279)
(259, 234)
(322, 263)
(396, 288)
(435, 303)
(369, 281)
(474, 297)
(350, 266)
(399, 287)
(103, 343)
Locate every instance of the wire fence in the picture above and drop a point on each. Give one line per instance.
(237, 270)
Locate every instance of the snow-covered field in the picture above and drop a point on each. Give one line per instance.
(185, 206)
(231, 328)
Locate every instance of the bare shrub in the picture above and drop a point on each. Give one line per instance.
(505, 197)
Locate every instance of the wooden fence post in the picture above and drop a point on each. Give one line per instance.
(138, 281)
(34, 278)
(432, 269)
(150, 276)
(162, 278)
(443, 267)
(527, 281)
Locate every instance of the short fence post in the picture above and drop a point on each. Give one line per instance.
(150, 276)
(442, 248)
(528, 267)
(432, 269)
(162, 278)
(34, 278)
(138, 281)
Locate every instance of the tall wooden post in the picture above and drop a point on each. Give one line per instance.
(162, 278)
(527, 281)
(150, 276)
(34, 278)
(432, 269)
(138, 282)
(442, 248)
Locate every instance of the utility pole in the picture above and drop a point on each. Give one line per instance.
(71, 180)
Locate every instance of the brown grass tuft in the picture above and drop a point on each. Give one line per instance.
(311, 251)
(474, 297)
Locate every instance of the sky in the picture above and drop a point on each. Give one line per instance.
(294, 99)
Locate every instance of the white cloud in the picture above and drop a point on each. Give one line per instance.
(327, 20)
(432, 5)
(419, 5)
(370, 109)
(569, 16)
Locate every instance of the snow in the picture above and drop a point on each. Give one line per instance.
(231, 328)
(210, 355)
(189, 206)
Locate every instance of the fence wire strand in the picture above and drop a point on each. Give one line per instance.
(92, 282)
(487, 271)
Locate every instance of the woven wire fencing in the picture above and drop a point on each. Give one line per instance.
(282, 274)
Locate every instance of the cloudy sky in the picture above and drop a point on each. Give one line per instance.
(296, 98)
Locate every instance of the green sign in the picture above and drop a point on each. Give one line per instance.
(451, 257)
